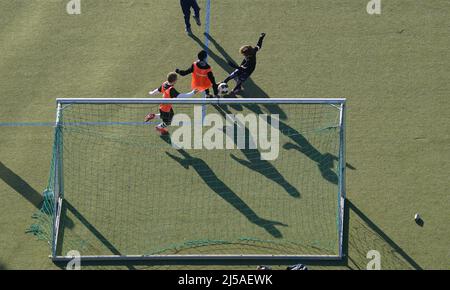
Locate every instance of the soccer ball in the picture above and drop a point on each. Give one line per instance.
(223, 89)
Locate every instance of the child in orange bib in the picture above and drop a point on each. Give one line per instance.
(166, 112)
(202, 75)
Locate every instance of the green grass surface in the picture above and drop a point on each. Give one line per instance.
(393, 68)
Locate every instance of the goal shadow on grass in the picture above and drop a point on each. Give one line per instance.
(360, 236)
(20, 186)
(363, 236)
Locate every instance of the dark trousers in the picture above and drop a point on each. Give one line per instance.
(167, 117)
(186, 6)
(239, 76)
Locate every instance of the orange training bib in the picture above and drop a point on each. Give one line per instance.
(166, 95)
(200, 80)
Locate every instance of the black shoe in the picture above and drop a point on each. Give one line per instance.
(197, 20)
(188, 30)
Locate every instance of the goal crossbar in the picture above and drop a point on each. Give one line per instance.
(335, 101)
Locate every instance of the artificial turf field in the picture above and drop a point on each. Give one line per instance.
(393, 68)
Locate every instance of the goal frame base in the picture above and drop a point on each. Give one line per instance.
(114, 258)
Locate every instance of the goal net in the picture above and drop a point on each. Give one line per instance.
(235, 178)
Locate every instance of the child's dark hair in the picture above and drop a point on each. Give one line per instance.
(202, 55)
(171, 77)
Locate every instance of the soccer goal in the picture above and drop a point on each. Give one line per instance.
(234, 179)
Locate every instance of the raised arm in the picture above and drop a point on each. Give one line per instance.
(187, 95)
(260, 41)
(185, 72)
(155, 91)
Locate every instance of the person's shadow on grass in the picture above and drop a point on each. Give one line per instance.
(301, 144)
(266, 169)
(219, 187)
(325, 161)
(254, 160)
